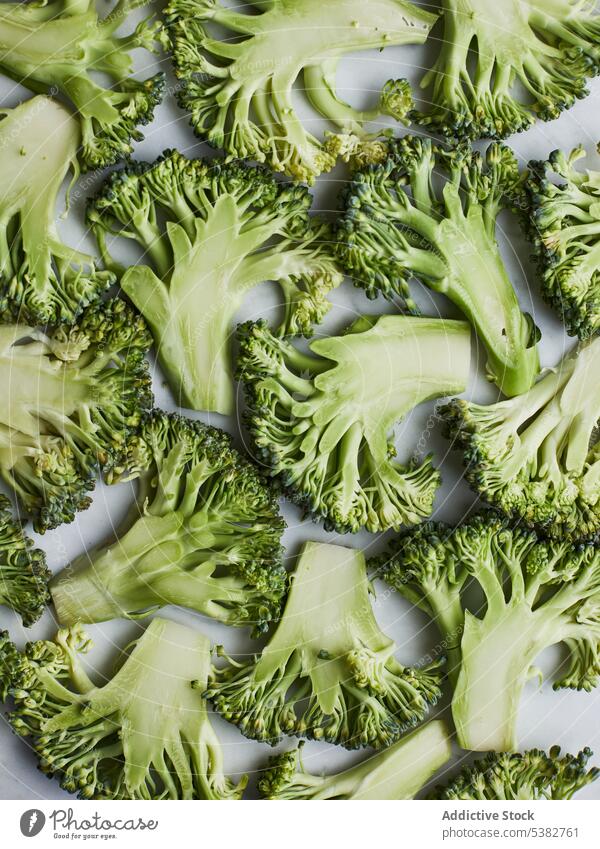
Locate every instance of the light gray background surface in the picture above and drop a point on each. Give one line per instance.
(568, 718)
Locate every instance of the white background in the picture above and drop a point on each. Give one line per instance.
(568, 718)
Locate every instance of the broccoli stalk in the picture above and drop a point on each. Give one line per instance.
(145, 734)
(532, 775)
(41, 279)
(398, 772)
(537, 457)
(396, 226)
(229, 227)
(322, 421)
(328, 672)
(238, 90)
(536, 594)
(205, 534)
(566, 231)
(24, 575)
(73, 400)
(547, 47)
(57, 46)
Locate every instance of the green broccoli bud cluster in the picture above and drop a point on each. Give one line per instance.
(24, 575)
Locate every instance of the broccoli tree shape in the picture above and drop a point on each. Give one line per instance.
(322, 421)
(205, 534)
(488, 51)
(536, 594)
(238, 87)
(73, 399)
(537, 457)
(328, 672)
(59, 45)
(398, 772)
(41, 279)
(565, 221)
(145, 734)
(512, 776)
(397, 225)
(24, 575)
(212, 232)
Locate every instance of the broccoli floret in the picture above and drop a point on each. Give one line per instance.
(490, 50)
(530, 775)
(535, 594)
(55, 46)
(211, 232)
(537, 457)
(205, 534)
(328, 672)
(9, 660)
(41, 279)
(238, 88)
(398, 772)
(145, 734)
(322, 422)
(397, 225)
(24, 575)
(566, 232)
(73, 399)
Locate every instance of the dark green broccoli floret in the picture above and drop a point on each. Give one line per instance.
(9, 662)
(537, 457)
(512, 776)
(322, 422)
(145, 734)
(212, 231)
(398, 225)
(239, 88)
(566, 231)
(73, 399)
(58, 46)
(535, 594)
(328, 672)
(501, 65)
(205, 534)
(23, 572)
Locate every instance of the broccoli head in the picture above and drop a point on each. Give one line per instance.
(565, 220)
(322, 421)
(24, 575)
(537, 457)
(41, 279)
(512, 776)
(238, 87)
(398, 772)
(535, 594)
(491, 50)
(397, 225)
(328, 672)
(73, 401)
(205, 534)
(145, 734)
(211, 231)
(57, 46)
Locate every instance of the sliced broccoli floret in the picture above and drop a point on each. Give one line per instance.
(55, 46)
(41, 279)
(398, 772)
(24, 575)
(512, 776)
(397, 225)
(537, 457)
(566, 231)
(535, 594)
(205, 534)
(501, 65)
(328, 672)
(73, 399)
(238, 86)
(211, 232)
(9, 661)
(322, 422)
(145, 734)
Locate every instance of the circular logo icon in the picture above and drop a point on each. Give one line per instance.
(32, 822)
